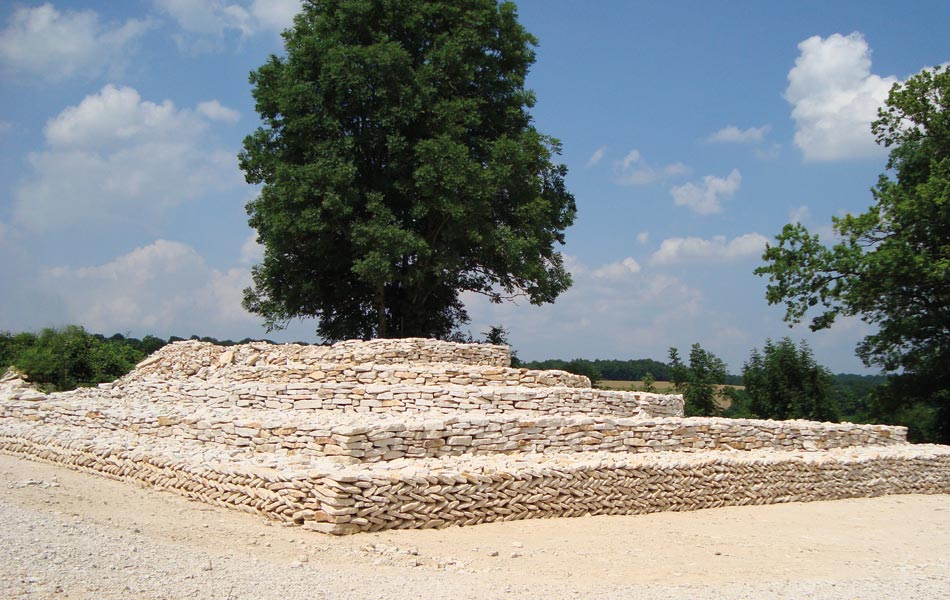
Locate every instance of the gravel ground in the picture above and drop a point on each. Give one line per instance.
(71, 535)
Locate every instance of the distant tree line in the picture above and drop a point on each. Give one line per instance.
(601, 369)
(782, 381)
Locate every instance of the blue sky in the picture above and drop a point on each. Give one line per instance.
(692, 131)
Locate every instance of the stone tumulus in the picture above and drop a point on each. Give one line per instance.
(365, 436)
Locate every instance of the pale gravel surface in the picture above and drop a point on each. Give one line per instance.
(71, 535)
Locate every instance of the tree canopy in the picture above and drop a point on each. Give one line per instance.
(891, 264)
(400, 168)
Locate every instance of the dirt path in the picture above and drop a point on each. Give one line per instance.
(70, 535)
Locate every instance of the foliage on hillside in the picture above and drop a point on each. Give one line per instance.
(70, 357)
(62, 359)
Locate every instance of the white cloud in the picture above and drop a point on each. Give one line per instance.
(165, 286)
(574, 266)
(767, 153)
(53, 45)
(251, 251)
(631, 158)
(216, 111)
(644, 315)
(633, 170)
(631, 317)
(617, 270)
(161, 288)
(643, 237)
(212, 17)
(835, 97)
(26, 305)
(705, 198)
(275, 15)
(118, 159)
(733, 134)
(117, 117)
(798, 214)
(596, 157)
(718, 249)
(209, 20)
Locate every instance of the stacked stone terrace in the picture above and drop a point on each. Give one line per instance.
(365, 436)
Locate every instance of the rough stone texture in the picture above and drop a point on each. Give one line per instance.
(471, 490)
(385, 399)
(368, 438)
(194, 358)
(365, 436)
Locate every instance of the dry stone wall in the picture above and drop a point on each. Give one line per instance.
(471, 490)
(383, 399)
(364, 439)
(376, 374)
(365, 436)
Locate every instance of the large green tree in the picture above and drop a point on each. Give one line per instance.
(699, 381)
(784, 382)
(891, 265)
(400, 168)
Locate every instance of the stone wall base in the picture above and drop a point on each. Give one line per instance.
(470, 490)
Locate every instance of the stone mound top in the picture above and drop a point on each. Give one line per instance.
(202, 359)
(366, 436)
(12, 375)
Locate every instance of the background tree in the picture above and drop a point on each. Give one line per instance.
(12, 345)
(739, 404)
(58, 358)
(399, 168)
(617, 370)
(855, 395)
(785, 382)
(649, 382)
(891, 266)
(582, 366)
(62, 359)
(699, 381)
(149, 344)
(498, 335)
